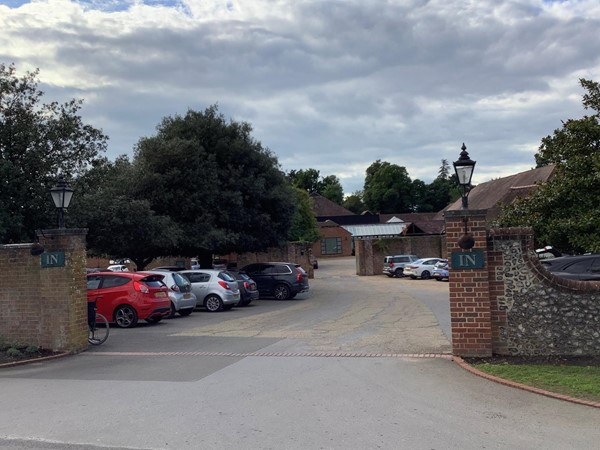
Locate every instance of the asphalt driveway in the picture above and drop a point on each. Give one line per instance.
(357, 363)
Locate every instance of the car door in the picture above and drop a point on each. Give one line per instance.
(259, 273)
(108, 291)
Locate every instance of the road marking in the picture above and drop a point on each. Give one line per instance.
(279, 354)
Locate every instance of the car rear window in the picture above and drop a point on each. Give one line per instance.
(180, 281)
(154, 281)
(226, 276)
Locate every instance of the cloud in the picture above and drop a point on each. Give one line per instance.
(331, 85)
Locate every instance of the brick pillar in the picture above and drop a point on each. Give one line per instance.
(470, 311)
(63, 291)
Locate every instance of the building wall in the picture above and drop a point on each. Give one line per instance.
(333, 232)
(45, 307)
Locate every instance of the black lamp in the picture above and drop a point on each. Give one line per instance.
(464, 172)
(61, 195)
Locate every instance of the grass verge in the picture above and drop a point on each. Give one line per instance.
(582, 382)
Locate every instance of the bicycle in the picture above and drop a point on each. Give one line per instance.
(98, 326)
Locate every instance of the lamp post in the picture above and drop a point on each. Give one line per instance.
(61, 195)
(464, 171)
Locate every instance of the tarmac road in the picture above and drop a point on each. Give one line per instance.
(358, 363)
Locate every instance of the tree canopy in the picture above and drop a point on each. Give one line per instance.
(311, 181)
(565, 211)
(37, 142)
(388, 188)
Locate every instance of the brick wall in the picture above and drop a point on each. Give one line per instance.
(45, 307)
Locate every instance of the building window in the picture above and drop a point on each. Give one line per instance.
(331, 246)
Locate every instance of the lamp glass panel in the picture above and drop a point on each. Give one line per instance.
(464, 174)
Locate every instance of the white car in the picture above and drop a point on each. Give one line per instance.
(421, 268)
(117, 268)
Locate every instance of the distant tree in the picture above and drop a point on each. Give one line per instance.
(388, 188)
(37, 142)
(331, 188)
(565, 211)
(304, 224)
(354, 203)
(438, 194)
(222, 188)
(308, 179)
(311, 181)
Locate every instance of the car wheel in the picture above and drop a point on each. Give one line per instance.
(213, 303)
(125, 316)
(389, 275)
(399, 273)
(425, 275)
(186, 312)
(438, 278)
(413, 277)
(153, 320)
(173, 311)
(281, 292)
(227, 308)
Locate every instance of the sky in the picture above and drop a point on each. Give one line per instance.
(329, 85)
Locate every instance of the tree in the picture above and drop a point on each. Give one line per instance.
(331, 188)
(438, 194)
(387, 189)
(354, 202)
(565, 211)
(119, 224)
(222, 188)
(311, 181)
(37, 141)
(304, 224)
(305, 179)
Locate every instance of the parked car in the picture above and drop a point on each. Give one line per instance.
(219, 264)
(583, 267)
(440, 271)
(248, 288)
(393, 265)
(421, 268)
(124, 298)
(217, 290)
(117, 268)
(282, 280)
(183, 300)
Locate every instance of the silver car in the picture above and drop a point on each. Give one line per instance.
(217, 290)
(183, 300)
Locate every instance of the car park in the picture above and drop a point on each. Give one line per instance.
(393, 265)
(124, 298)
(281, 280)
(216, 290)
(440, 271)
(581, 267)
(247, 286)
(421, 268)
(183, 300)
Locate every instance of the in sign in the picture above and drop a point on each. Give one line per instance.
(53, 259)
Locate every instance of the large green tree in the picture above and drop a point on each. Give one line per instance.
(37, 141)
(304, 225)
(223, 189)
(354, 202)
(565, 211)
(121, 222)
(388, 188)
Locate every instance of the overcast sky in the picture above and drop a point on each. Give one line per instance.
(329, 85)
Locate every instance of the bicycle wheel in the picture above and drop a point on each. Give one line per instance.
(99, 332)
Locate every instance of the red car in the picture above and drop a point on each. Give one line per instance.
(124, 298)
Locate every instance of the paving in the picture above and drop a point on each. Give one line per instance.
(358, 363)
